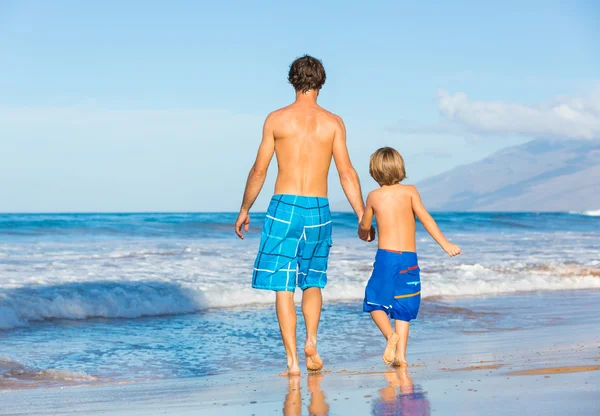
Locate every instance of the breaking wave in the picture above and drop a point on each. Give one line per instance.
(111, 299)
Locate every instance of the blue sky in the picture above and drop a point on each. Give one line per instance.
(158, 106)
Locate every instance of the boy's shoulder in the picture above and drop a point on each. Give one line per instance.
(375, 194)
(400, 188)
(408, 188)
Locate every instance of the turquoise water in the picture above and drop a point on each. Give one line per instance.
(154, 296)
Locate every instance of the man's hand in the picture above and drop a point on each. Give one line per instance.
(243, 220)
(365, 235)
(452, 249)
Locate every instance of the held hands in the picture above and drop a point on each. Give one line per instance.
(243, 220)
(452, 249)
(367, 236)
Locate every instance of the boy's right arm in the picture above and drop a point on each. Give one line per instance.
(366, 232)
(430, 225)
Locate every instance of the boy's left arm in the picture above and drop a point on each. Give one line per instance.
(430, 225)
(366, 231)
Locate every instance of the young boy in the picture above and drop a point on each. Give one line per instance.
(394, 288)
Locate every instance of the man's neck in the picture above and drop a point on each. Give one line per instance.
(309, 96)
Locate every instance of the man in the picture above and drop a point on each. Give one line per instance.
(296, 236)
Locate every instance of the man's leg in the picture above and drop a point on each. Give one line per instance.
(311, 309)
(286, 315)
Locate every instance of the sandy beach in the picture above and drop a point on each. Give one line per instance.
(553, 368)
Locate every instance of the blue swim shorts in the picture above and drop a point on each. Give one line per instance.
(395, 285)
(294, 245)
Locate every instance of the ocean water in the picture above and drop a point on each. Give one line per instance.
(105, 297)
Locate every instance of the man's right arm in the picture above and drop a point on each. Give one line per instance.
(256, 177)
(348, 176)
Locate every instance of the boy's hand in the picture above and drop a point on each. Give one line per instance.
(372, 234)
(452, 249)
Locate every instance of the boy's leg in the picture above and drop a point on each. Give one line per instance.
(402, 328)
(286, 315)
(382, 321)
(312, 302)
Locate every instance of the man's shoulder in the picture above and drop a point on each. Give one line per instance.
(277, 113)
(290, 111)
(332, 116)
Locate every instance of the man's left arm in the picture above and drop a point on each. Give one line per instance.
(256, 177)
(366, 232)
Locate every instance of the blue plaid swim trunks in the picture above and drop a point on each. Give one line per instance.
(294, 245)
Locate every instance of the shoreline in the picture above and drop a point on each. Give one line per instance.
(494, 371)
(451, 383)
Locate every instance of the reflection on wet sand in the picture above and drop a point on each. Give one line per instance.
(400, 397)
(292, 405)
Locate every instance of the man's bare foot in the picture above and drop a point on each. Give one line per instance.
(399, 363)
(313, 360)
(292, 371)
(390, 349)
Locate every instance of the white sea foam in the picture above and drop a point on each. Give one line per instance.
(136, 299)
(116, 279)
(592, 213)
(17, 371)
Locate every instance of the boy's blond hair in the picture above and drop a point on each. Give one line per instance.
(387, 166)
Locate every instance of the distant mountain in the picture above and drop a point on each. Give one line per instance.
(541, 175)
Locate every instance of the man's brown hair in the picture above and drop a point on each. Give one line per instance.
(307, 73)
(387, 166)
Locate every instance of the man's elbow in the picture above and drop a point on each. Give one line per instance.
(258, 172)
(348, 175)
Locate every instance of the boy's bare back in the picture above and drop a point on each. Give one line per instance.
(394, 207)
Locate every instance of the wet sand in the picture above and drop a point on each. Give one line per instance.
(556, 370)
(552, 369)
(489, 381)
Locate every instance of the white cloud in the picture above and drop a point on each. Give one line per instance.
(561, 118)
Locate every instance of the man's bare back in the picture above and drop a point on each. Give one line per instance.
(304, 135)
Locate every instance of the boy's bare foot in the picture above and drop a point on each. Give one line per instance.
(313, 360)
(390, 349)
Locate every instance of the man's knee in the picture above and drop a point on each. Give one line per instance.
(311, 292)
